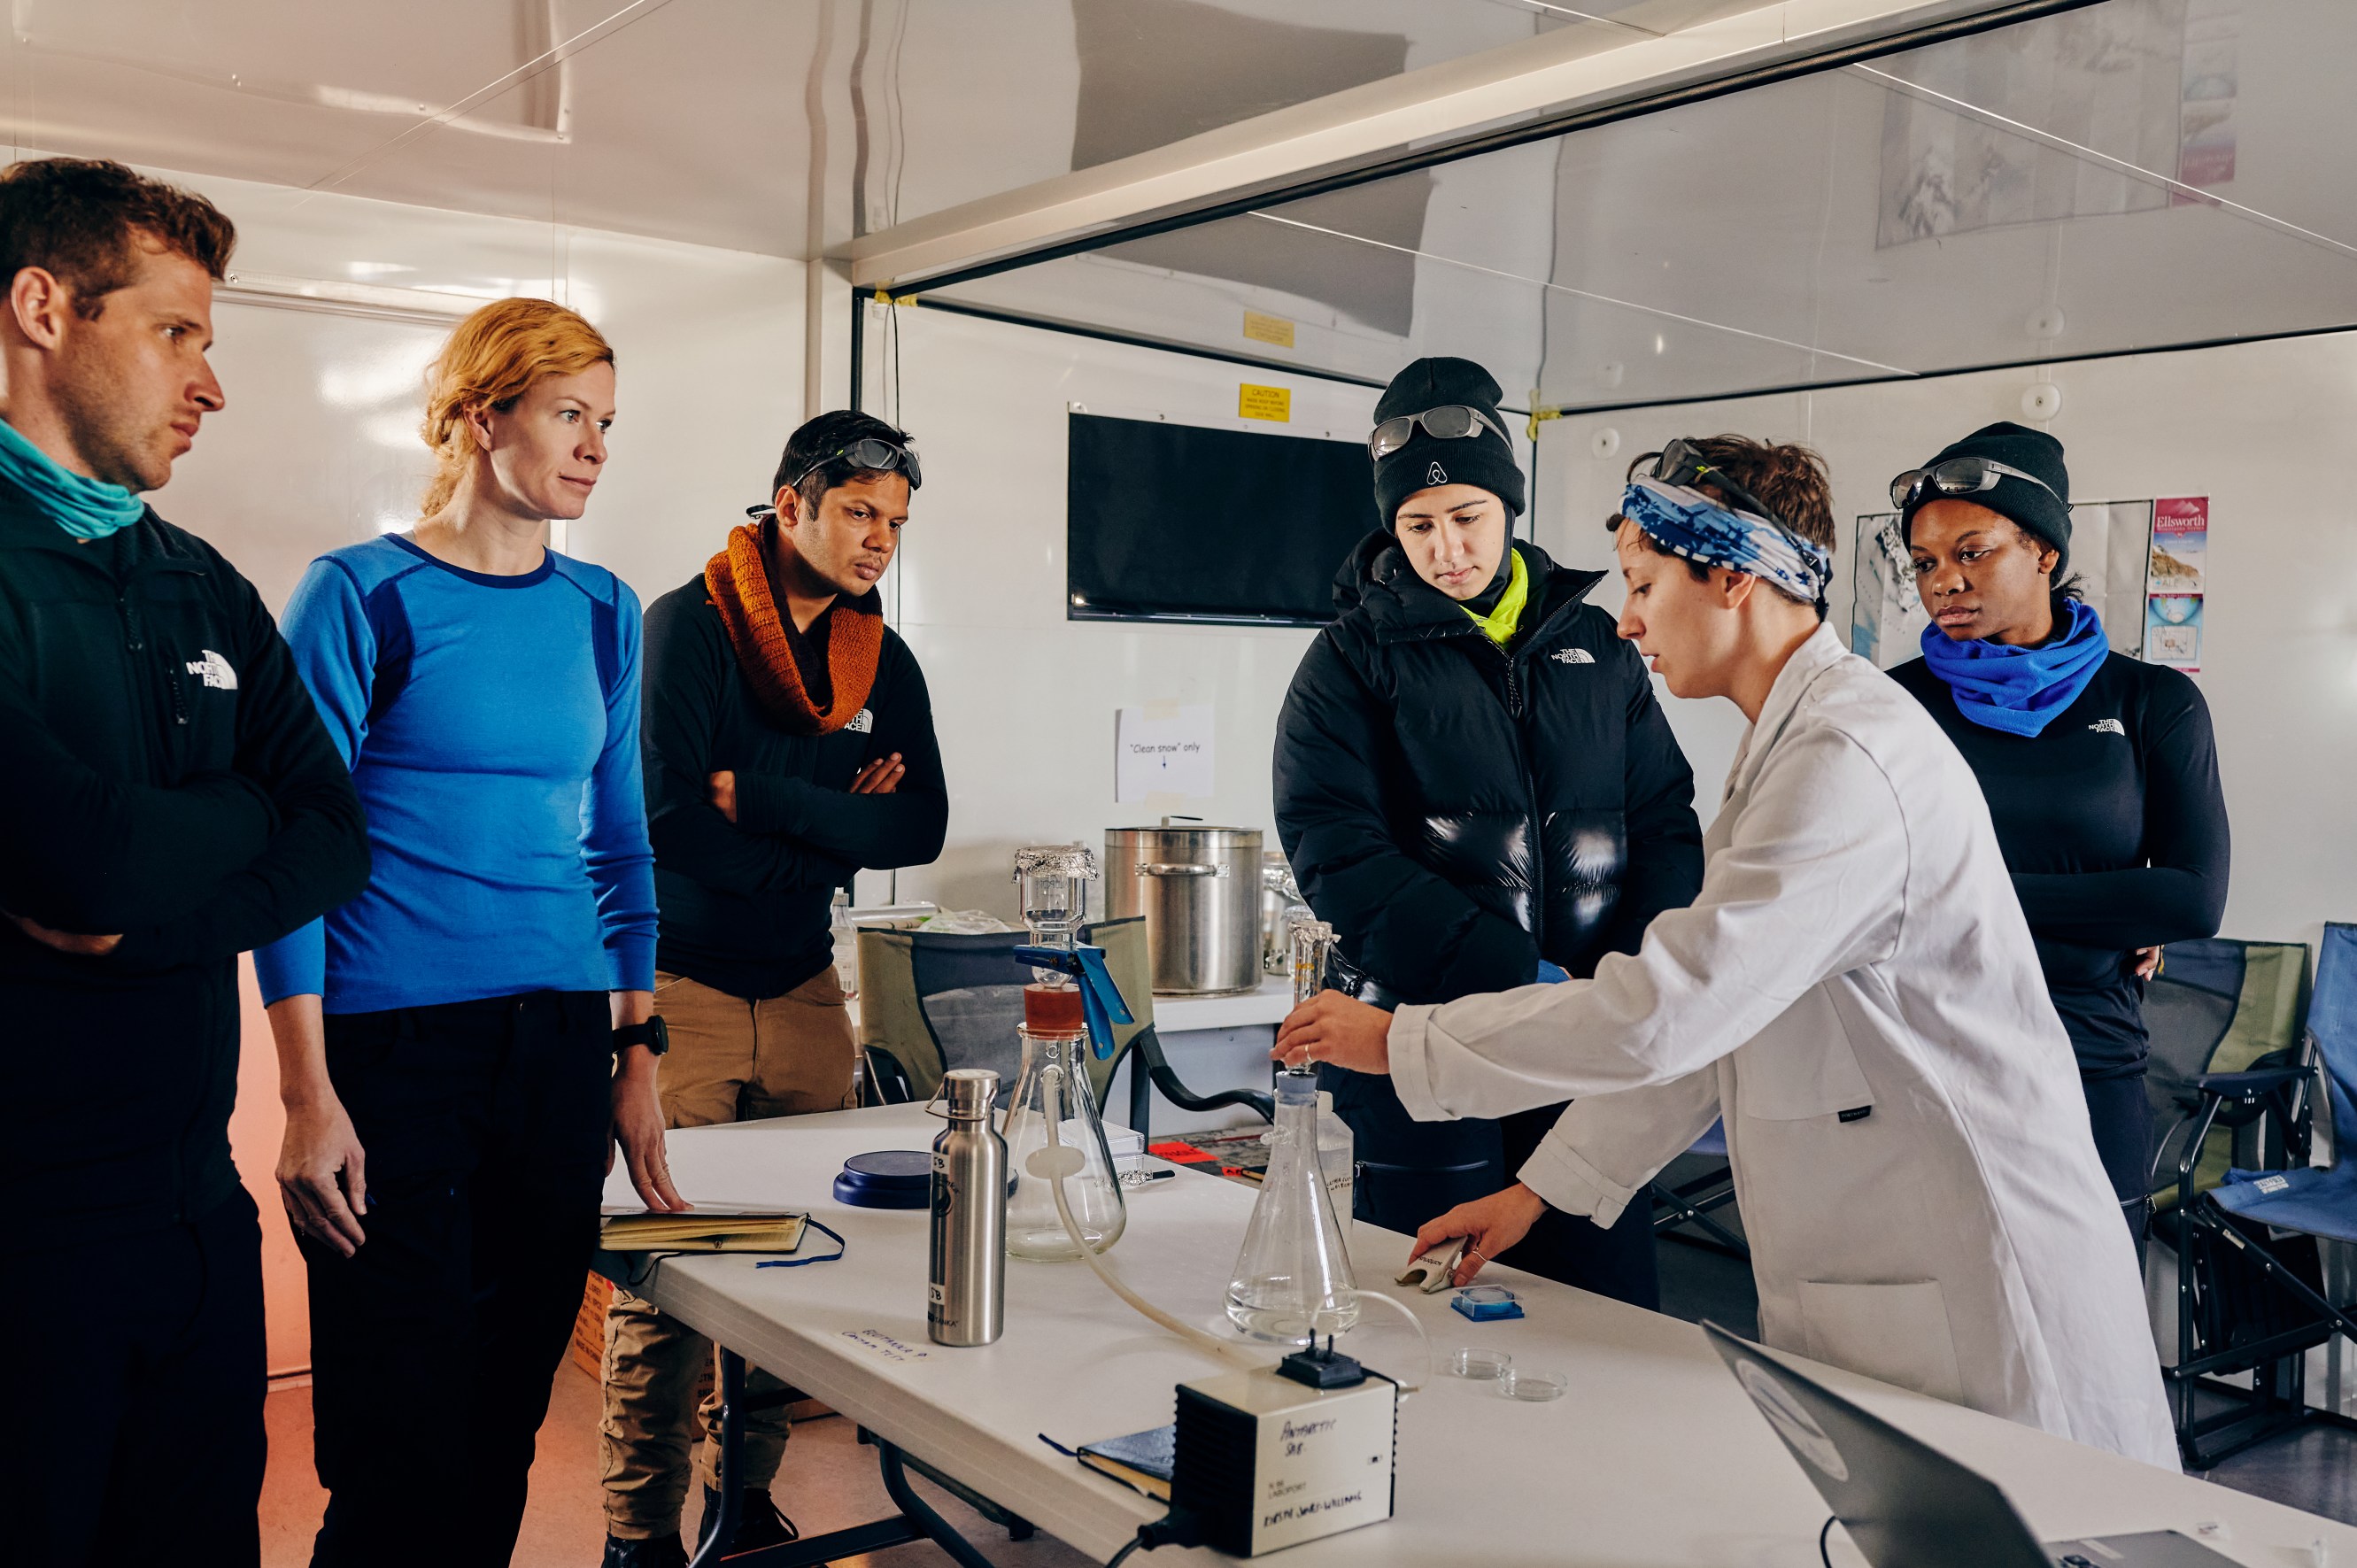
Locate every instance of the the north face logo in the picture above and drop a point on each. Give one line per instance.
(1435, 475)
(862, 722)
(1572, 656)
(215, 670)
(2108, 726)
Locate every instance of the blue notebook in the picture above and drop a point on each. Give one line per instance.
(1142, 1461)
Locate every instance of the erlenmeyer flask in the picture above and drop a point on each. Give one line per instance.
(1052, 1127)
(1293, 1280)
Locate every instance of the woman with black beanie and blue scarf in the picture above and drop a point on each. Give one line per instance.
(2100, 771)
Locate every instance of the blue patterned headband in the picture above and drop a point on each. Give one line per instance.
(1688, 524)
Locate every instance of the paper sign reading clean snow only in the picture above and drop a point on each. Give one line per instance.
(1162, 750)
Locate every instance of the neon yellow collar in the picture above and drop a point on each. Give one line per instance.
(1498, 625)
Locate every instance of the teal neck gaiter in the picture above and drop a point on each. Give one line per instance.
(84, 508)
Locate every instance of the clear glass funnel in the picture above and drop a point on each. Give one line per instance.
(1293, 1279)
(1052, 881)
(1309, 941)
(1053, 1134)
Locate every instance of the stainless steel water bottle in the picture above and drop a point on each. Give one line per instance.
(967, 1298)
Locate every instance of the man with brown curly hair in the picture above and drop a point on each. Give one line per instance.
(169, 800)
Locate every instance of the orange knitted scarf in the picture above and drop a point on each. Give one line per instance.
(739, 587)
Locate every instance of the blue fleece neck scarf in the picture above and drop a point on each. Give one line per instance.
(2019, 689)
(84, 508)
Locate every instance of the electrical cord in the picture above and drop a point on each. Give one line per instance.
(1824, 1556)
(1175, 1527)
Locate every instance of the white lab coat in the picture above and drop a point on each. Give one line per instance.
(1855, 992)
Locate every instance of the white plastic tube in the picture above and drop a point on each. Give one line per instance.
(1202, 1339)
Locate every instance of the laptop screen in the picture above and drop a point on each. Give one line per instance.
(1905, 1505)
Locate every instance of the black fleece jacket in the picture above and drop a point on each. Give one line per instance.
(744, 904)
(167, 778)
(2113, 825)
(1459, 810)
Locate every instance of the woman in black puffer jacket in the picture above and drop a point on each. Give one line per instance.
(1475, 785)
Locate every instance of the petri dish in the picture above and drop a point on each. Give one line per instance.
(1532, 1387)
(1480, 1365)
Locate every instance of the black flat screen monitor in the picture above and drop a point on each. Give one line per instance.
(1183, 523)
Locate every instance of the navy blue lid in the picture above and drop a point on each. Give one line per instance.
(887, 1178)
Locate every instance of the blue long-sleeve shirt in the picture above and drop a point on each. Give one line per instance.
(491, 725)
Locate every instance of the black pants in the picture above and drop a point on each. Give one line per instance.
(1412, 1172)
(485, 1126)
(2121, 1118)
(134, 1427)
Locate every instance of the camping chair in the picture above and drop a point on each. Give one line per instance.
(2248, 1301)
(929, 1002)
(1131, 964)
(1691, 1202)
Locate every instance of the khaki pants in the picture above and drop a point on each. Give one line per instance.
(730, 1061)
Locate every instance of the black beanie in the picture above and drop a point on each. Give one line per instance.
(2033, 452)
(1485, 460)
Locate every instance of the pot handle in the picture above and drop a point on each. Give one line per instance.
(1166, 868)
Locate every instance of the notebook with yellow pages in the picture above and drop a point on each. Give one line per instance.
(696, 1231)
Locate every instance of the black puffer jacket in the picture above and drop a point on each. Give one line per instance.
(1459, 810)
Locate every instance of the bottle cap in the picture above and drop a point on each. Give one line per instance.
(970, 1091)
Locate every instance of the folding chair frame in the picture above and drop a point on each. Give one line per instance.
(2276, 1400)
(1691, 1203)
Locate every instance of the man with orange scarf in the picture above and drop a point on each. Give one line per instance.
(789, 741)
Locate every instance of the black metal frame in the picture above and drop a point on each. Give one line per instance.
(916, 1520)
(1691, 1203)
(2276, 1400)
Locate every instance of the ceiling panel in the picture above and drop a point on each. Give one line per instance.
(705, 121)
(2132, 174)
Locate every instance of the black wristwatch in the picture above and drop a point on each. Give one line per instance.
(653, 1034)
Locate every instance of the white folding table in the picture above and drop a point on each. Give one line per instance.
(1654, 1458)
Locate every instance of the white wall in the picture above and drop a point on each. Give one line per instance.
(318, 447)
(1023, 699)
(2258, 428)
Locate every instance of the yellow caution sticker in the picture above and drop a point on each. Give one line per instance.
(1263, 329)
(1265, 402)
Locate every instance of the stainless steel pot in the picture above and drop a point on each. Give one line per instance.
(1198, 889)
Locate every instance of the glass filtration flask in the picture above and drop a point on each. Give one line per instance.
(1293, 1279)
(1053, 1097)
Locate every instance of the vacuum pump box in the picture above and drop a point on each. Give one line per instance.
(1265, 1462)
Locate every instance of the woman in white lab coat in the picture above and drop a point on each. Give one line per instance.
(1854, 991)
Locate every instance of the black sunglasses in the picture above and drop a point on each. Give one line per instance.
(1681, 463)
(1957, 477)
(1450, 422)
(869, 453)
